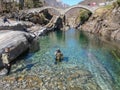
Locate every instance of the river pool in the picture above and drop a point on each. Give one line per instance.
(89, 63)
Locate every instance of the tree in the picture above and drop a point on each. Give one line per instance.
(118, 2)
(1, 5)
(21, 4)
(37, 3)
(84, 15)
(6, 5)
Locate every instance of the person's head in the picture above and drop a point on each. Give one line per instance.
(7, 50)
(58, 50)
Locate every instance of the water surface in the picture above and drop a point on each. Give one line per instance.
(89, 63)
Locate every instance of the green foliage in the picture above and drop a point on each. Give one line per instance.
(109, 7)
(21, 4)
(32, 3)
(37, 3)
(116, 56)
(13, 5)
(118, 2)
(84, 15)
(28, 3)
(115, 4)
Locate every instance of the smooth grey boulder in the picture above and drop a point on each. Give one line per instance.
(17, 41)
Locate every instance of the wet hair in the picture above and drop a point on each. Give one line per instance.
(58, 50)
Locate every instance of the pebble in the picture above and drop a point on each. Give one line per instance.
(50, 78)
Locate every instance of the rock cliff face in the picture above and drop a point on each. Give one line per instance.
(41, 18)
(105, 22)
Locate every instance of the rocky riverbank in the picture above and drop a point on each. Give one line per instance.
(14, 25)
(105, 22)
(50, 78)
(18, 35)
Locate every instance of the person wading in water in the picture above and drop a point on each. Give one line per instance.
(59, 55)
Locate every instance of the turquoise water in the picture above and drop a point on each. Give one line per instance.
(82, 52)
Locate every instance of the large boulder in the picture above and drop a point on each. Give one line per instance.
(17, 41)
(41, 18)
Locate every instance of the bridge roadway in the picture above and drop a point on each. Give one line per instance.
(89, 8)
(60, 11)
(37, 10)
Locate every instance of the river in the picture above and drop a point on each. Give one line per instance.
(89, 63)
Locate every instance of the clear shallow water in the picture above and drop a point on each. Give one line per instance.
(83, 53)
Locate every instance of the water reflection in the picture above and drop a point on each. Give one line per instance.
(97, 54)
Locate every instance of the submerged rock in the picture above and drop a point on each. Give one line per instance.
(3, 72)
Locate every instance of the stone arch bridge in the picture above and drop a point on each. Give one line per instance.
(89, 8)
(61, 11)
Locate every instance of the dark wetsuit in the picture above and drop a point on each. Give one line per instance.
(8, 67)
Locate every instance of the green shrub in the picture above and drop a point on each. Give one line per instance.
(118, 2)
(114, 4)
(37, 3)
(84, 15)
(109, 7)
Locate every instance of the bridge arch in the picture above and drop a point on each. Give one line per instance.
(37, 10)
(60, 11)
(89, 8)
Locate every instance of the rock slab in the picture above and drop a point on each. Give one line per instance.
(17, 41)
